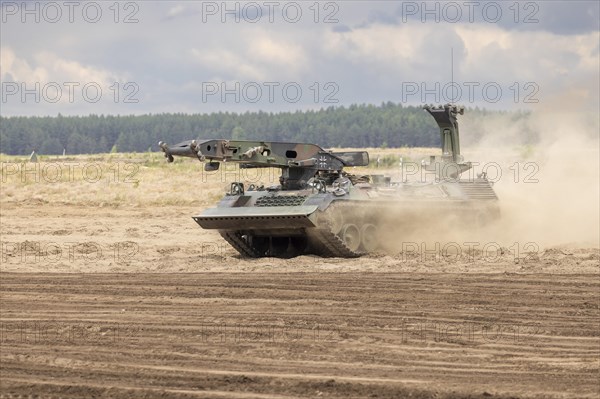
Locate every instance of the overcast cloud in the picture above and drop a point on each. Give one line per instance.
(170, 56)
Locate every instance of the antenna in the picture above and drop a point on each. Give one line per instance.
(452, 73)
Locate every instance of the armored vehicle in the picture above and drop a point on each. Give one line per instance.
(318, 207)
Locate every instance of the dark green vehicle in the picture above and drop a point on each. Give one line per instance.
(318, 207)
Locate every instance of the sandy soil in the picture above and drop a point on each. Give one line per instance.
(109, 289)
(113, 291)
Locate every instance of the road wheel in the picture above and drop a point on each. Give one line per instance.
(335, 219)
(369, 237)
(351, 236)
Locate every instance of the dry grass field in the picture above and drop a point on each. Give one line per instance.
(110, 289)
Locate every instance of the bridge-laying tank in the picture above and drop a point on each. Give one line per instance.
(319, 208)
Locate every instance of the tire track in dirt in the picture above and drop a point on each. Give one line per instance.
(300, 334)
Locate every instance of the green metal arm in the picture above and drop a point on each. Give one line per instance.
(451, 165)
(266, 154)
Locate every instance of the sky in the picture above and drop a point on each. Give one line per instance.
(138, 57)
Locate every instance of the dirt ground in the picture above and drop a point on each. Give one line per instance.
(118, 293)
(142, 303)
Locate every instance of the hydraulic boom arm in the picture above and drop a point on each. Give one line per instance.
(298, 161)
(266, 154)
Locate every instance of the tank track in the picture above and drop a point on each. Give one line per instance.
(234, 238)
(323, 243)
(333, 244)
(327, 238)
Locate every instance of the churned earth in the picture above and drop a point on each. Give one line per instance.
(109, 289)
(140, 302)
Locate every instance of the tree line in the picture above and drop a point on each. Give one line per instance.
(359, 126)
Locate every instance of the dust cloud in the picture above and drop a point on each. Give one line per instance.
(546, 169)
(549, 190)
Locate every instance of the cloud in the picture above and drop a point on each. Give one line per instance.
(558, 17)
(175, 11)
(49, 67)
(17, 69)
(227, 63)
(257, 57)
(49, 84)
(368, 54)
